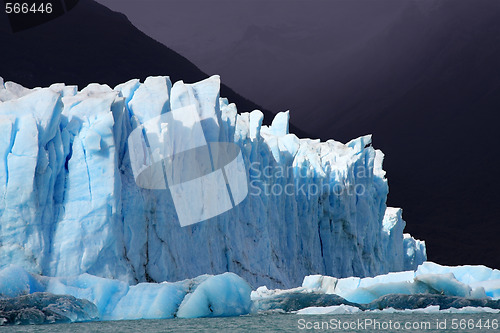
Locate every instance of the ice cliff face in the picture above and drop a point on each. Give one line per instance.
(69, 203)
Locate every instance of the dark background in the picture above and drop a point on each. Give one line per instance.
(422, 76)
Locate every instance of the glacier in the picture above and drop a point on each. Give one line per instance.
(70, 204)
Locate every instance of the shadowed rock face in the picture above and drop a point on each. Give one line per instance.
(289, 302)
(420, 301)
(296, 301)
(45, 308)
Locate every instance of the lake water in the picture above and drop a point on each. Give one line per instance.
(288, 323)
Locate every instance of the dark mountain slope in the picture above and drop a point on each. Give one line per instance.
(91, 43)
(429, 91)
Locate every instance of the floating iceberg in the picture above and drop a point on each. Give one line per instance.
(430, 285)
(464, 281)
(94, 297)
(296, 299)
(71, 204)
(31, 298)
(333, 309)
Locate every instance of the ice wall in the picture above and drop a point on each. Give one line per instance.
(70, 204)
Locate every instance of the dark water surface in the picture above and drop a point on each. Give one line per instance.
(288, 322)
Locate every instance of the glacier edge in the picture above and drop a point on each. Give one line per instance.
(70, 204)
